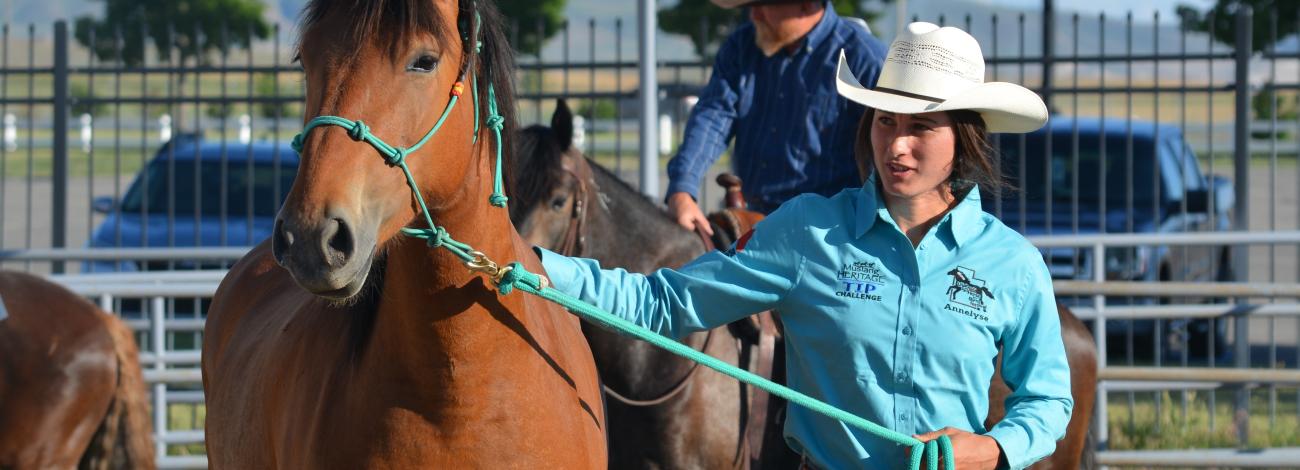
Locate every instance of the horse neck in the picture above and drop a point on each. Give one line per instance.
(430, 302)
(628, 224)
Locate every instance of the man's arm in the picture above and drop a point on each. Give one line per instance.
(1035, 367)
(709, 128)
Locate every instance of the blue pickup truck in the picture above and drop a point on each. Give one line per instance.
(1153, 183)
(196, 193)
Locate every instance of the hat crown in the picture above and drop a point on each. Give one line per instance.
(932, 62)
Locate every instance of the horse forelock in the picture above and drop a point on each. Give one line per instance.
(538, 169)
(388, 23)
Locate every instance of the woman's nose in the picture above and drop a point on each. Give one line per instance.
(901, 144)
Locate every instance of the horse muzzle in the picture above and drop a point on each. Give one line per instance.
(328, 256)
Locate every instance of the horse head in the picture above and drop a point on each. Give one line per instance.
(392, 71)
(551, 192)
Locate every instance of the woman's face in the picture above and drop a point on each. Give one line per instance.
(913, 153)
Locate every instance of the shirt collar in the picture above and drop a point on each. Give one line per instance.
(964, 221)
(822, 30)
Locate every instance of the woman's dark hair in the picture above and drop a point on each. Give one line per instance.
(975, 162)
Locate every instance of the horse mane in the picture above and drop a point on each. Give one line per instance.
(394, 22)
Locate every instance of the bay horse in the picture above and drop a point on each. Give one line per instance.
(341, 343)
(71, 391)
(627, 230)
(664, 411)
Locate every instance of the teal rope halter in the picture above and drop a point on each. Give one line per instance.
(513, 276)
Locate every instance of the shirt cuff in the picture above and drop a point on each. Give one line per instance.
(561, 270)
(681, 185)
(1014, 443)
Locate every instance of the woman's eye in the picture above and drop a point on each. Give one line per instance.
(425, 63)
(886, 121)
(921, 127)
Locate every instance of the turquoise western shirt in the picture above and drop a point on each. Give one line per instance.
(900, 336)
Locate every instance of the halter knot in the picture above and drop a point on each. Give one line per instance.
(495, 121)
(398, 157)
(516, 275)
(437, 235)
(359, 130)
(296, 143)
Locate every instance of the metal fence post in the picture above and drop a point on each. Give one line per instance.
(1241, 213)
(649, 99)
(59, 200)
(1049, 50)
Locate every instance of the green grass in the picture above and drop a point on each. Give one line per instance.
(1143, 427)
(184, 417)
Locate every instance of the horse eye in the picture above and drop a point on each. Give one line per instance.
(425, 63)
(558, 203)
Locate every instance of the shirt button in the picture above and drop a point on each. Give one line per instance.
(902, 418)
(907, 331)
(901, 377)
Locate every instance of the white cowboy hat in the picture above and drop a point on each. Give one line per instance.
(931, 69)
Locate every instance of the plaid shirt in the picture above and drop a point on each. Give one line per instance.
(794, 134)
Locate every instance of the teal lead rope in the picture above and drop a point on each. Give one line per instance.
(514, 276)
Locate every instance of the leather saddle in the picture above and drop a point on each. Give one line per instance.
(761, 346)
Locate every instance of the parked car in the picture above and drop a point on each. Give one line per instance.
(196, 193)
(1157, 187)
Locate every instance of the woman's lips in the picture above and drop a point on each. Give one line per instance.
(898, 170)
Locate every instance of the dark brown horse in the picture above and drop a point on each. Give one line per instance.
(344, 344)
(71, 391)
(664, 411)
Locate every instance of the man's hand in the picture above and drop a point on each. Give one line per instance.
(687, 213)
(971, 451)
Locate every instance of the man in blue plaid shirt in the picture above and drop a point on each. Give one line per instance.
(773, 91)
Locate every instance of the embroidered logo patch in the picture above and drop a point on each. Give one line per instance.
(860, 280)
(968, 291)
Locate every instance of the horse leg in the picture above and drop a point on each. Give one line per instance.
(124, 437)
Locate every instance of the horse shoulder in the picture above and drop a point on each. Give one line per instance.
(252, 281)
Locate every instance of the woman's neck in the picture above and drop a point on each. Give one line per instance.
(915, 215)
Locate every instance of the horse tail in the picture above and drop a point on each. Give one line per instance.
(124, 439)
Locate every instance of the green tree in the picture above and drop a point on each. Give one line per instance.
(182, 30)
(527, 15)
(707, 24)
(269, 87)
(1223, 17)
(80, 100)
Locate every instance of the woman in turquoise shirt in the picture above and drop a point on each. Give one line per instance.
(895, 296)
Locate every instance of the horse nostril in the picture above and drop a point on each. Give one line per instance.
(339, 243)
(281, 240)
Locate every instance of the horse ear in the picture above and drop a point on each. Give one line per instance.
(562, 124)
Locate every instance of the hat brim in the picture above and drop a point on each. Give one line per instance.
(1005, 107)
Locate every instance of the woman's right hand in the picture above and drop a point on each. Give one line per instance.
(687, 213)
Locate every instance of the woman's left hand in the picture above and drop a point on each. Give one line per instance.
(971, 451)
